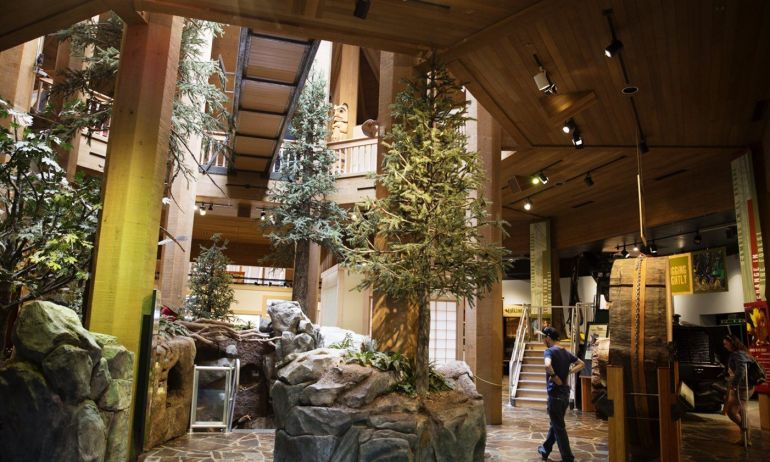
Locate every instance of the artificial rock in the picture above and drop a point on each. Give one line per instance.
(333, 411)
(60, 400)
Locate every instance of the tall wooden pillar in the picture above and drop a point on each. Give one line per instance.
(484, 323)
(127, 243)
(346, 90)
(313, 280)
(17, 75)
(394, 324)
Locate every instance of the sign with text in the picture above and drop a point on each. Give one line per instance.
(758, 328)
(750, 242)
(680, 273)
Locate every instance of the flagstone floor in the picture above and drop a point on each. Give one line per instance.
(706, 437)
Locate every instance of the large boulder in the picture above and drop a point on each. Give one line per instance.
(327, 410)
(49, 391)
(42, 326)
(286, 316)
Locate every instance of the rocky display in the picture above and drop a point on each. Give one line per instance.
(172, 389)
(295, 330)
(66, 392)
(328, 410)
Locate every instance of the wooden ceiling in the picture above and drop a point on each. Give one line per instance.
(702, 69)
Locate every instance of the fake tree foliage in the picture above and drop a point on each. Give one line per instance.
(423, 239)
(47, 224)
(199, 106)
(210, 292)
(302, 214)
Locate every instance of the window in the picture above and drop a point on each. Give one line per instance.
(443, 331)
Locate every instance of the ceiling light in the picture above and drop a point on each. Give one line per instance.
(568, 126)
(362, 8)
(624, 253)
(698, 238)
(535, 180)
(577, 139)
(543, 83)
(636, 248)
(613, 48)
(262, 215)
(211, 207)
(653, 248)
(202, 210)
(542, 177)
(528, 205)
(588, 180)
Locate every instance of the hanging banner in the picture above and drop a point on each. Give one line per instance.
(680, 273)
(758, 329)
(749, 234)
(709, 273)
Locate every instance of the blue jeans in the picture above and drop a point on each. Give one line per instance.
(557, 408)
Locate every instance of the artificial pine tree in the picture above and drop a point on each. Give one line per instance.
(210, 292)
(302, 214)
(423, 239)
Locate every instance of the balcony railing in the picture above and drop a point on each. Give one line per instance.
(355, 157)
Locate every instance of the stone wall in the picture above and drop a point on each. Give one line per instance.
(327, 410)
(66, 392)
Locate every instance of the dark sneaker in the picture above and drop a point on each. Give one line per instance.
(543, 453)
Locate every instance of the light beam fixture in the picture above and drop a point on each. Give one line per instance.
(542, 81)
(643, 148)
(262, 215)
(653, 248)
(528, 205)
(569, 126)
(624, 253)
(362, 8)
(616, 45)
(202, 210)
(542, 178)
(698, 239)
(577, 139)
(589, 181)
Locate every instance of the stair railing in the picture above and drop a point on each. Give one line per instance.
(517, 356)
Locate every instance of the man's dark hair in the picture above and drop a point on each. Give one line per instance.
(551, 333)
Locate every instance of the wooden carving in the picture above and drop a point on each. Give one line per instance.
(340, 122)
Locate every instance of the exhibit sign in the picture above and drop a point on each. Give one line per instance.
(749, 233)
(758, 329)
(709, 273)
(680, 273)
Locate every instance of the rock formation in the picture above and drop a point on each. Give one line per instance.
(66, 392)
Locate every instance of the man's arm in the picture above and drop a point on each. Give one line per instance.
(551, 373)
(577, 366)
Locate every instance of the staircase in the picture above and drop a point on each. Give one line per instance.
(531, 391)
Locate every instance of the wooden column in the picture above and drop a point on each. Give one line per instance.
(484, 136)
(313, 280)
(127, 243)
(17, 75)
(394, 324)
(346, 88)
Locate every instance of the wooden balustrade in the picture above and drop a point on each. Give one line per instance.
(355, 157)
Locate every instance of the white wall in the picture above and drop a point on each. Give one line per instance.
(694, 307)
(517, 291)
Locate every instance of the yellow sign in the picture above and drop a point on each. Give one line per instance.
(680, 273)
(512, 311)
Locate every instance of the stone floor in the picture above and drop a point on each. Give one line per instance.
(706, 437)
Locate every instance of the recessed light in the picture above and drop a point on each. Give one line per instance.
(630, 90)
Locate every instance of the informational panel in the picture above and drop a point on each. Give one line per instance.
(758, 329)
(680, 273)
(749, 233)
(540, 263)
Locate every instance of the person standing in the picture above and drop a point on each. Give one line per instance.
(559, 364)
(739, 389)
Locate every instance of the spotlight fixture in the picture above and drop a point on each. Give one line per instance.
(543, 83)
(362, 8)
(528, 205)
(698, 239)
(643, 148)
(653, 248)
(542, 178)
(569, 126)
(613, 48)
(636, 248)
(624, 253)
(202, 210)
(211, 207)
(535, 180)
(262, 215)
(589, 181)
(577, 139)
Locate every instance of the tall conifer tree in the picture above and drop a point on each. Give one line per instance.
(423, 239)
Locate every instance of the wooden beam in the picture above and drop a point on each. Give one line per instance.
(491, 34)
(561, 107)
(48, 22)
(125, 9)
(291, 26)
(480, 92)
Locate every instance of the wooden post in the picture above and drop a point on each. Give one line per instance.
(669, 429)
(127, 244)
(484, 136)
(17, 75)
(587, 404)
(313, 280)
(617, 423)
(394, 324)
(346, 89)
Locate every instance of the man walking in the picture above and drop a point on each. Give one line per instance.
(559, 364)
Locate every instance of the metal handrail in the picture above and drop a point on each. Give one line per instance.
(517, 355)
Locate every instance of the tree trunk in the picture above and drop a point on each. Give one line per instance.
(5, 315)
(422, 360)
(301, 266)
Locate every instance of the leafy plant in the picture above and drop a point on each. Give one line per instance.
(400, 366)
(210, 293)
(423, 238)
(47, 224)
(303, 214)
(344, 344)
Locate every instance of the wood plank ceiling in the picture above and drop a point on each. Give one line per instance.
(702, 69)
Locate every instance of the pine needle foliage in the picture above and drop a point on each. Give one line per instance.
(199, 105)
(424, 238)
(210, 292)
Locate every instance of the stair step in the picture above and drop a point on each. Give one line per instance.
(527, 375)
(530, 402)
(532, 360)
(531, 393)
(532, 383)
(533, 368)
